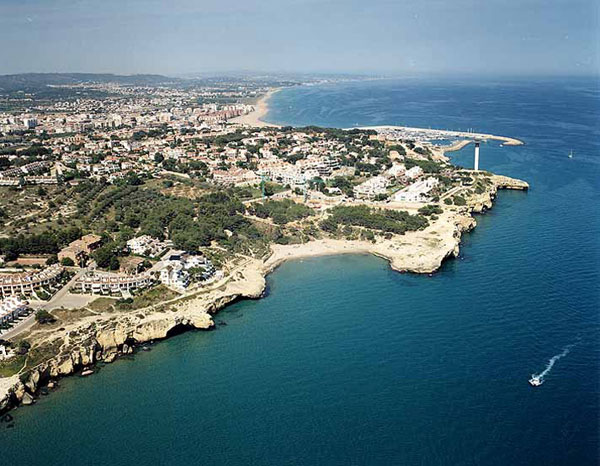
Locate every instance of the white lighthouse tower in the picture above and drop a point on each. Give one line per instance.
(476, 163)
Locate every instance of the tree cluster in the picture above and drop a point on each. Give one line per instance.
(281, 212)
(384, 220)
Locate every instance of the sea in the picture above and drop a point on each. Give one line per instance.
(346, 362)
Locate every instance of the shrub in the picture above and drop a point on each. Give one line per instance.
(459, 200)
(430, 210)
(44, 317)
(67, 262)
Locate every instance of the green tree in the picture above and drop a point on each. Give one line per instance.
(44, 317)
(67, 262)
(114, 263)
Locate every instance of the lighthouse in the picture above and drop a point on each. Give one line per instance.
(476, 163)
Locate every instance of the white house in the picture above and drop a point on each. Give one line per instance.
(416, 192)
(372, 187)
(414, 172)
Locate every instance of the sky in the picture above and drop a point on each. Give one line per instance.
(402, 37)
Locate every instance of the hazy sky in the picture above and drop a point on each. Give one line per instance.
(372, 36)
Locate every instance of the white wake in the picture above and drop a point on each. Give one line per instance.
(551, 363)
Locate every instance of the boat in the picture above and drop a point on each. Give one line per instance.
(570, 155)
(535, 381)
(87, 372)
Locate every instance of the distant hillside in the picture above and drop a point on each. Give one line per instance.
(35, 81)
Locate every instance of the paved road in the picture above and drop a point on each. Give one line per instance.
(60, 294)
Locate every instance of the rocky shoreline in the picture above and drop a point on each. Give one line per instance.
(104, 338)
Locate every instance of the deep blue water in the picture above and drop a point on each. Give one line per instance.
(347, 362)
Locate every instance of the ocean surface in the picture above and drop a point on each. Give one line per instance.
(347, 362)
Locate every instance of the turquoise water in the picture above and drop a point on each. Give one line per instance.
(346, 362)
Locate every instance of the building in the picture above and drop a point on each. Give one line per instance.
(417, 192)
(11, 308)
(28, 282)
(29, 123)
(175, 267)
(397, 170)
(79, 250)
(414, 172)
(371, 188)
(112, 283)
(235, 176)
(131, 265)
(146, 245)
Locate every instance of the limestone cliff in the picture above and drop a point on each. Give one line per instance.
(96, 339)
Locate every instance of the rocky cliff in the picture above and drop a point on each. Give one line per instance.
(103, 339)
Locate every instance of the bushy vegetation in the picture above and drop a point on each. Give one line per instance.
(384, 220)
(428, 166)
(44, 243)
(430, 210)
(281, 212)
(459, 200)
(44, 317)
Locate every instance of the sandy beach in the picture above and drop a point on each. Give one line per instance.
(261, 109)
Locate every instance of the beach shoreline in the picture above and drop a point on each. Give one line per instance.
(261, 109)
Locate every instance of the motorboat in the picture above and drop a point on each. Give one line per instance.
(535, 381)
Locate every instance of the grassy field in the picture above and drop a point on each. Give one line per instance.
(12, 366)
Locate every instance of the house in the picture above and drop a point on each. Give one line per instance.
(372, 187)
(417, 192)
(397, 170)
(146, 245)
(79, 250)
(27, 283)
(112, 283)
(414, 172)
(11, 308)
(175, 267)
(131, 265)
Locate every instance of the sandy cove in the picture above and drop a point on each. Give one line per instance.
(261, 109)
(105, 336)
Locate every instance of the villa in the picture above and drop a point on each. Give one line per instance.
(417, 192)
(372, 187)
(79, 250)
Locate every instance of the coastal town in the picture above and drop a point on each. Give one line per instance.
(130, 210)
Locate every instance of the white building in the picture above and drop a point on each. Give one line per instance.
(372, 187)
(11, 307)
(172, 273)
(174, 269)
(397, 170)
(414, 173)
(146, 245)
(417, 192)
(30, 123)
